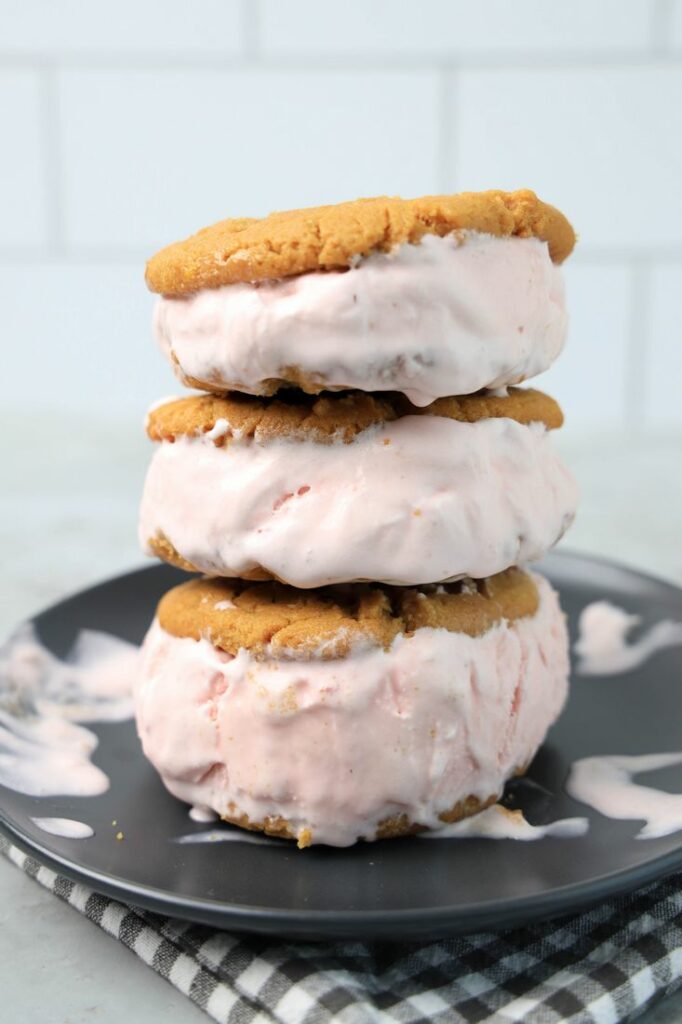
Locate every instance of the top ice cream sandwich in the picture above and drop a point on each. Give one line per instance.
(432, 297)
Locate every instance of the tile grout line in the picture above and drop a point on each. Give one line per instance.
(251, 28)
(637, 349)
(296, 63)
(666, 254)
(446, 151)
(52, 168)
(74, 255)
(659, 27)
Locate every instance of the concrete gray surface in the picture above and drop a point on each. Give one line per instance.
(56, 967)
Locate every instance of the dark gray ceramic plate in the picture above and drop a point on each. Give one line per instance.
(398, 889)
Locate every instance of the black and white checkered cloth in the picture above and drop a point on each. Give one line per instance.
(603, 966)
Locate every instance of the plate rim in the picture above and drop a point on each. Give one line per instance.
(326, 924)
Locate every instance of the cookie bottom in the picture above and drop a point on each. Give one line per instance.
(395, 827)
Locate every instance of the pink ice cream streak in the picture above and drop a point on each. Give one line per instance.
(448, 316)
(337, 747)
(416, 500)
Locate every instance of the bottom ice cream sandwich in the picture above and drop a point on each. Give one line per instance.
(346, 713)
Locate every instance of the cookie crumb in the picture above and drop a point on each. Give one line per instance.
(305, 838)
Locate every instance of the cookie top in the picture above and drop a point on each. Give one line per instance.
(273, 620)
(331, 237)
(332, 417)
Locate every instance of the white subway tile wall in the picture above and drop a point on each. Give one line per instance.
(23, 175)
(603, 142)
(124, 127)
(662, 387)
(459, 28)
(178, 149)
(83, 28)
(676, 26)
(590, 378)
(78, 339)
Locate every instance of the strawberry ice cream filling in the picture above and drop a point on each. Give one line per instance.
(446, 316)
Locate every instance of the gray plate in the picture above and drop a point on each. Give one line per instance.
(397, 889)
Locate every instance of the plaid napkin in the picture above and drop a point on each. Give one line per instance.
(605, 966)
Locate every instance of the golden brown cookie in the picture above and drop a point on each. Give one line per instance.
(391, 828)
(332, 237)
(291, 414)
(333, 417)
(400, 824)
(161, 547)
(273, 620)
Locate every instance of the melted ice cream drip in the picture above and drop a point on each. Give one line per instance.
(497, 822)
(43, 752)
(202, 814)
(226, 835)
(66, 827)
(602, 646)
(605, 783)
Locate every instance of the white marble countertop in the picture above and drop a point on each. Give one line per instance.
(67, 519)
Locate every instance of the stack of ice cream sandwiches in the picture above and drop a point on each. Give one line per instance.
(361, 485)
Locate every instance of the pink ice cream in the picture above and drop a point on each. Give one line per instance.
(448, 316)
(336, 747)
(417, 500)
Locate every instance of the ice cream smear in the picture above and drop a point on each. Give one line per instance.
(603, 647)
(44, 751)
(606, 784)
(202, 814)
(446, 316)
(65, 827)
(497, 822)
(226, 835)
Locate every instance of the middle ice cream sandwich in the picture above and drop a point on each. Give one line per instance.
(317, 491)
